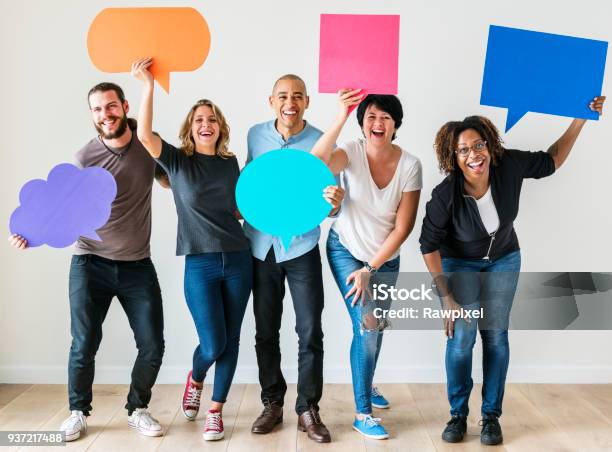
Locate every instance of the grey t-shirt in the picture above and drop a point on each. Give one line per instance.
(126, 235)
(204, 193)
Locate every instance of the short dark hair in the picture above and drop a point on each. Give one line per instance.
(446, 140)
(107, 86)
(387, 103)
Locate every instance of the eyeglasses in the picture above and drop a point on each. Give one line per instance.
(476, 147)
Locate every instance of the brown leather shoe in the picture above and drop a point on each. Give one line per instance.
(271, 416)
(310, 422)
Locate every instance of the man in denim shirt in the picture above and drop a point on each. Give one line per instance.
(300, 264)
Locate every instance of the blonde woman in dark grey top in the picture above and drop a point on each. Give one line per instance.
(218, 274)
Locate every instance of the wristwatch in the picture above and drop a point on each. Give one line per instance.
(370, 268)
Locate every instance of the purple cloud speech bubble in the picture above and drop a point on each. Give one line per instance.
(72, 202)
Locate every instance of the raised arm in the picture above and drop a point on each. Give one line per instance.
(336, 160)
(561, 148)
(151, 142)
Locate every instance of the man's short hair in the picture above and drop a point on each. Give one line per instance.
(289, 77)
(107, 86)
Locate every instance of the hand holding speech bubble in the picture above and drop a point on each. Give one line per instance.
(69, 204)
(281, 193)
(177, 39)
(542, 72)
(350, 58)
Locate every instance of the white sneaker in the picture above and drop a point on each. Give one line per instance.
(146, 424)
(74, 425)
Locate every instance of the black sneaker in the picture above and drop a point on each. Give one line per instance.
(491, 433)
(455, 429)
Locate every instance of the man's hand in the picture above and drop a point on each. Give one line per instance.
(18, 241)
(333, 195)
(164, 181)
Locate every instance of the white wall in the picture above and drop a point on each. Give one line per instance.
(564, 222)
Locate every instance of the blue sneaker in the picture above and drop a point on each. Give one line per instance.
(370, 427)
(378, 400)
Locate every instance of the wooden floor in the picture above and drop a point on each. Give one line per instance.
(536, 417)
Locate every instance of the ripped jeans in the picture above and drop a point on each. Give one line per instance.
(366, 344)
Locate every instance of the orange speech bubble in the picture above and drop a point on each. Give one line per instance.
(177, 39)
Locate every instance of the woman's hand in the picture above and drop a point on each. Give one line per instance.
(347, 98)
(18, 241)
(451, 306)
(333, 195)
(360, 279)
(597, 104)
(140, 70)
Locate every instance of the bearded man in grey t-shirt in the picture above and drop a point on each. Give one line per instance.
(118, 266)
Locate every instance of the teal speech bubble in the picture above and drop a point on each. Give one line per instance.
(281, 193)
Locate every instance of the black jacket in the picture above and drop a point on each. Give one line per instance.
(452, 222)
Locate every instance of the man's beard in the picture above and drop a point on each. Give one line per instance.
(123, 124)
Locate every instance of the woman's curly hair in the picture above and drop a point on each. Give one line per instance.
(446, 141)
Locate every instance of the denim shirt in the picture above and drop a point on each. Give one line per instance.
(263, 138)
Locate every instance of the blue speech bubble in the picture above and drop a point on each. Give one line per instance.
(542, 72)
(281, 193)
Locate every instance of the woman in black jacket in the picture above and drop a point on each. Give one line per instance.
(471, 249)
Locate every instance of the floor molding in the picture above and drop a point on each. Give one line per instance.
(244, 374)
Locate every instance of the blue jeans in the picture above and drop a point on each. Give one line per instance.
(489, 284)
(217, 289)
(366, 344)
(94, 281)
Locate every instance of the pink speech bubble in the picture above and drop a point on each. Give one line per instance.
(359, 51)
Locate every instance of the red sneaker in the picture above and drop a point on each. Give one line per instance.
(191, 399)
(213, 428)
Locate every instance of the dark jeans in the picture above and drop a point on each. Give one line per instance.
(491, 285)
(306, 285)
(94, 281)
(217, 290)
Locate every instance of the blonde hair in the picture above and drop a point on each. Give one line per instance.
(186, 138)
